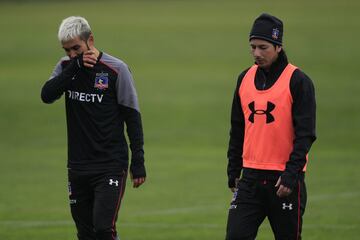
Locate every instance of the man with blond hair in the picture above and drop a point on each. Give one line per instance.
(100, 97)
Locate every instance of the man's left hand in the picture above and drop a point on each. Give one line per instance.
(282, 191)
(137, 181)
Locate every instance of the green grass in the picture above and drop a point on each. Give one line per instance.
(185, 57)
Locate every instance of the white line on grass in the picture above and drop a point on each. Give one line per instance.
(35, 223)
(185, 210)
(327, 196)
(174, 211)
(57, 223)
(217, 207)
(157, 225)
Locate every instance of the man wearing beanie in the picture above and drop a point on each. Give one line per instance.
(272, 130)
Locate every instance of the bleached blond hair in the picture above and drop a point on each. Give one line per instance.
(72, 27)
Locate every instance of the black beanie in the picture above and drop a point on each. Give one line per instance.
(268, 28)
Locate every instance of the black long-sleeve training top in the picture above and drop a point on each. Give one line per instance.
(98, 102)
(303, 113)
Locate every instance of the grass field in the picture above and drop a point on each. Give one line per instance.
(185, 57)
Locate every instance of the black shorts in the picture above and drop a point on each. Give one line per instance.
(256, 199)
(95, 199)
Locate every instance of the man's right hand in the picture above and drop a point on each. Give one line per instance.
(234, 189)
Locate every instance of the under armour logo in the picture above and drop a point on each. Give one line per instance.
(233, 206)
(234, 196)
(115, 182)
(284, 206)
(269, 117)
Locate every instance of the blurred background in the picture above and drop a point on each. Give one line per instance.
(185, 57)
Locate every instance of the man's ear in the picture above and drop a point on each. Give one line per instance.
(91, 40)
(278, 48)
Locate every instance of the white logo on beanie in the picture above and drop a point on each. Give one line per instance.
(275, 33)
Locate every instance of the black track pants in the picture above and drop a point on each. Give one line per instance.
(95, 201)
(257, 199)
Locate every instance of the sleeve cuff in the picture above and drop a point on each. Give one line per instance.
(232, 182)
(138, 171)
(288, 180)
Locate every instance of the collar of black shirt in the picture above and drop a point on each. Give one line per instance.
(265, 79)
